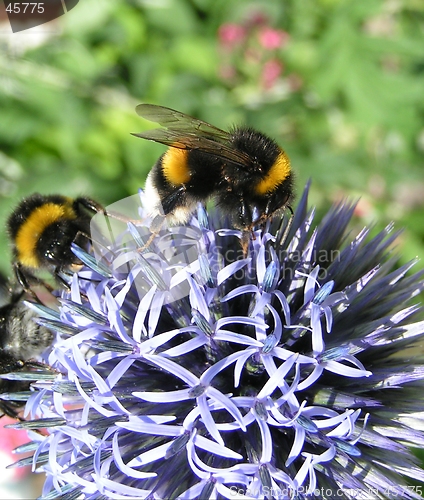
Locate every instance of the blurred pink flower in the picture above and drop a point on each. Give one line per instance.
(271, 71)
(271, 38)
(231, 34)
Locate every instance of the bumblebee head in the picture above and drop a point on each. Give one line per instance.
(54, 244)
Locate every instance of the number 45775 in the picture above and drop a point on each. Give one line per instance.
(23, 7)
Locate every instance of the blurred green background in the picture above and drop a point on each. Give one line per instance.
(338, 83)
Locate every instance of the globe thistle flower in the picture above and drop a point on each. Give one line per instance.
(183, 370)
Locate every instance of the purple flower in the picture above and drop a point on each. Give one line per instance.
(184, 370)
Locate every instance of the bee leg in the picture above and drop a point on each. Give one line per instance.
(92, 206)
(169, 204)
(26, 279)
(82, 238)
(245, 218)
(89, 205)
(8, 410)
(97, 208)
(155, 227)
(149, 242)
(61, 280)
(157, 223)
(21, 277)
(265, 217)
(246, 236)
(279, 241)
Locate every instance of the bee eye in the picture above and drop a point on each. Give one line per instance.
(50, 255)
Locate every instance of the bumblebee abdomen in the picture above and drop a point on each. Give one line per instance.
(21, 337)
(278, 174)
(269, 166)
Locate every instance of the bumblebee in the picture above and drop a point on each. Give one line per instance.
(244, 171)
(42, 229)
(21, 340)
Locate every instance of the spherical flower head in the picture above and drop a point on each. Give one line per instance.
(184, 369)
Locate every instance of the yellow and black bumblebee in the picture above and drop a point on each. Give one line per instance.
(244, 171)
(42, 229)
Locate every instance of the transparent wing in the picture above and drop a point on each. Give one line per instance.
(185, 132)
(174, 120)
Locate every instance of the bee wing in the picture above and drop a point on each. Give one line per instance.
(174, 120)
(185, 132)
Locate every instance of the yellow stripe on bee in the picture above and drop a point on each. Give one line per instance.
(32, 228)
(175, 166)
(276, 175)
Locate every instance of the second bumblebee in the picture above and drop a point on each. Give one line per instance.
(22, 340)
(42, 229)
